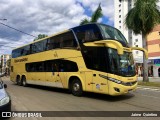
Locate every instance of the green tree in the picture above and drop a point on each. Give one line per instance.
(40, 36)
(95, 16)
(141, 19)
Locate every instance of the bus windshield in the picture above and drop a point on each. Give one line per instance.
(121, 64)
(112, 33)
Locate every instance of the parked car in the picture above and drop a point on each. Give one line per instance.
(5, 100)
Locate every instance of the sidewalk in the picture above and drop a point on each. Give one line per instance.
(151, 79)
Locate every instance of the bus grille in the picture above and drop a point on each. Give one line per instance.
(129, 83)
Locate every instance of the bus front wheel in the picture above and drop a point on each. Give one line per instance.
(76, 87)
(18, 81)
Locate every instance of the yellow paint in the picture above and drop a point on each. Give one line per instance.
(91, 80)
(112, 44)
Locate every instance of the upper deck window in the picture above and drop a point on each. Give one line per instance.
(87, 33)
(112, 34)
(62, 41)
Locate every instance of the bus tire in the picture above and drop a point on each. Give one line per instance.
(76, 87)
(18, 81)
(24, 83)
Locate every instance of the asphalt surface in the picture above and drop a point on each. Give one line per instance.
(151, 79)
(38, 98)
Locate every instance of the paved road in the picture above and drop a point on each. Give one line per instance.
(151, 79)
(35, 98)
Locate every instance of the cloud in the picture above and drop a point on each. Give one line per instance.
(106, 5)
(43, 17)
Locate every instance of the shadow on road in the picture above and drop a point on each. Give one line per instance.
(108, 98)
(85, 94)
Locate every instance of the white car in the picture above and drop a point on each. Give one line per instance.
(5, 100)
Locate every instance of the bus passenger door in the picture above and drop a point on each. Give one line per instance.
(50, 73)
(40, 74)
(89, 81)
(60, 74)
(60, 78)
(100, 82)
(50, 78)
(54, 75)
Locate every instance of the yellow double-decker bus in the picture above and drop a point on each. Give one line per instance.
(92, 57)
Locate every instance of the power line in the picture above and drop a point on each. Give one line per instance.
(17, 30)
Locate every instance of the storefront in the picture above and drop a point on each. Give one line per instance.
(156, 68)
(139, 66)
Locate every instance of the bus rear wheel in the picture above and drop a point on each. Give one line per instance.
(24, 83)
(76, 87)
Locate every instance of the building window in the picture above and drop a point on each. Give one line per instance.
(119, 21)
(119, 5)
(136, 52)
(119, 27)
(136, 40)
(119, 16)
(136, 45)
(120, 0)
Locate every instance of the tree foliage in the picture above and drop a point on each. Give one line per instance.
(143, 16)
(141, 19)
(40, 36)
(95, 16)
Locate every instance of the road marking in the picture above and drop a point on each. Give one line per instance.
(148, 88)
(150, 96)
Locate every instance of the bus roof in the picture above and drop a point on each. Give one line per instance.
(42, 39)
(61, 33)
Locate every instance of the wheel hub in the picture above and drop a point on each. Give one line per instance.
(76, 87)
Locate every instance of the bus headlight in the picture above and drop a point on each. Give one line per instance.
(115, 80)
(4, 101)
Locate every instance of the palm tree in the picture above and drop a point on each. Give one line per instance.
(95, 16)
(141, 19)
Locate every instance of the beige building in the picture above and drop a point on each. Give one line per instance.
(153, 42)
(4, 65)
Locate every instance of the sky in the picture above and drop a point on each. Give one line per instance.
(45, 17)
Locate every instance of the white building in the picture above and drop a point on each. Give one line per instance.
(121, 8)
(4, 59)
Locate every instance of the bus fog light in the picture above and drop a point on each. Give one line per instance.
(116, 89)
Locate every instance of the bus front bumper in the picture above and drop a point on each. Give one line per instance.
(120, 89)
